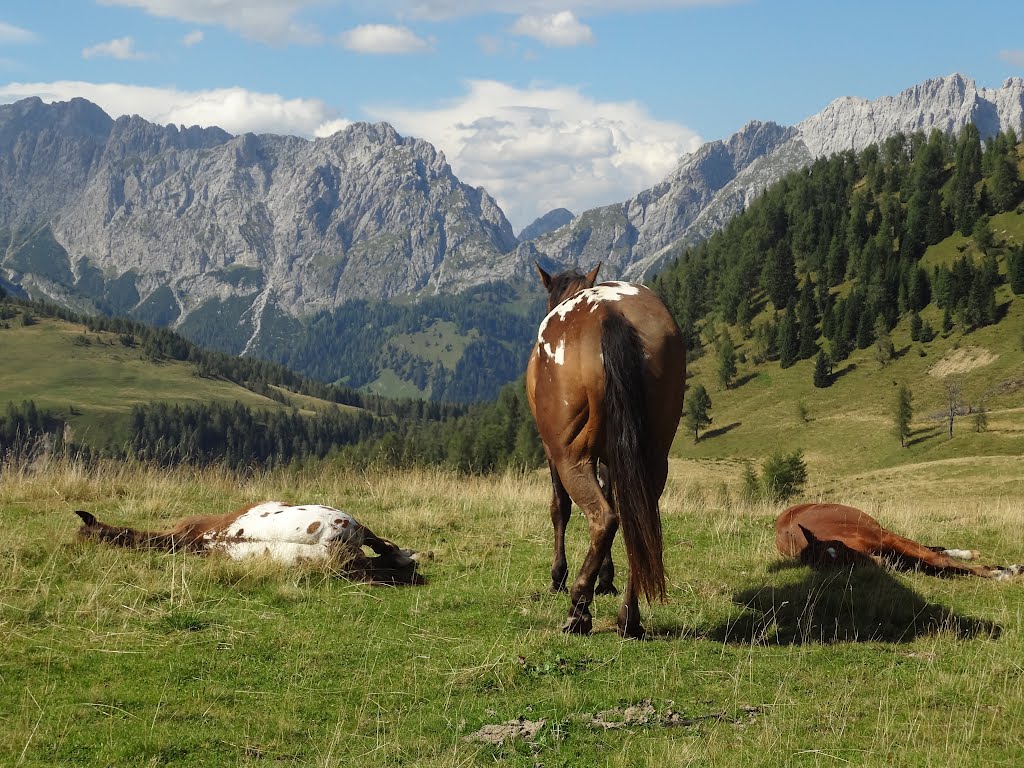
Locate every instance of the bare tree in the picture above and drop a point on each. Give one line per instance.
(954, 399)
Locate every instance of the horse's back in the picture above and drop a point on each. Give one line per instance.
(566, 376)
(828, 522)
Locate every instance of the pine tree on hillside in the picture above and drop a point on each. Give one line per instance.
(1015, 269)
(726, 361)
(780, 275)
(822, 370)
(915, 326)
(788, 337)
(807, 323)
(697, 411)
(966, 176)
(904, 412)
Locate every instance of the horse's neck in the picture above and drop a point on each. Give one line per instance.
(134, 539)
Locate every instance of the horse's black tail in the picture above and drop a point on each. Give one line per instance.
(124, 537)
(628, 442)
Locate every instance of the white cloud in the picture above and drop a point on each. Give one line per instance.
(1014, 58)
(275, 21)
(122, 48)
(268, 21)
(331, 127)
(195, 37)
(236, 110)
(384, 39)
(560, 29)
(12, 34)
(540, 148)
(446, 9)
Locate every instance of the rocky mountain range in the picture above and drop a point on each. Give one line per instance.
(722, 177)
(133, 216)
(192, 226)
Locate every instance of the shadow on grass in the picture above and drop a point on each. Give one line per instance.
(848, 368)
(925, 433)
(744, 380)
(720, 431)
(863, 604)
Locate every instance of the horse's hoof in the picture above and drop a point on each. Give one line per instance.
(633, 632)
(578, 625)
(606, 589)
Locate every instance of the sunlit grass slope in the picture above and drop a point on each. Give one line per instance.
(93, 381)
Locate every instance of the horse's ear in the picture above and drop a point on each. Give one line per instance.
(87, 518)
(592, 274)
(811, 538)
(545, 278)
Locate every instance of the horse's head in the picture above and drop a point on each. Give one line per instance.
(820, 553)
(566, 284)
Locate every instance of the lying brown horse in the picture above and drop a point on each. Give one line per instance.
(284, 532)
(834, 534)
(605, 384)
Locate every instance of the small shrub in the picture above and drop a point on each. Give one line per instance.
(981, 419)
(750, 490)
(782, 477)
(803, 412)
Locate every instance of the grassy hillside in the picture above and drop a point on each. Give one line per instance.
(848, 428)
(92, 380)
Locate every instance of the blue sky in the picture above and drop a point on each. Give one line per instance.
(571, 103)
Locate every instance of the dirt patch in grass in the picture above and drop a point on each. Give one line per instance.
(498, 733)
(962, 360)
(642, 714)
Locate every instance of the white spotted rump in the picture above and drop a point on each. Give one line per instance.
(611, 291)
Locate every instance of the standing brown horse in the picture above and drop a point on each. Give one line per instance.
(605, 384)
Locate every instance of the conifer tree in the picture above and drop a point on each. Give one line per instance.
(726, 361)
(904, 412)
(822, 370)
(1015, 269)
(697, 411)
(966, 175)
(915, 326)
(788, 338)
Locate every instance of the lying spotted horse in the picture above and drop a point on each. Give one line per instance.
(605, 384)
(284, 532)
(835, 534)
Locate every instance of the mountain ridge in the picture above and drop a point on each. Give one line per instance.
(229, 236)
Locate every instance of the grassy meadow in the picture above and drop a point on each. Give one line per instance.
(125, 658)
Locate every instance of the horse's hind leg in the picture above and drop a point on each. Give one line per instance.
(581, 482)
(629, 613)
(606, 574)
(561, 509)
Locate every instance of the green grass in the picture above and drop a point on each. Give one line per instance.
(389, 384)
(95, 385)
(135, 658)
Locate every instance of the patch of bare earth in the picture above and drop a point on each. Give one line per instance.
(640, 715)
(498, 733)
(963, 360)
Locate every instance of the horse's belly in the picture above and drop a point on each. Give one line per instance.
(274, 522)
(286, 552)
